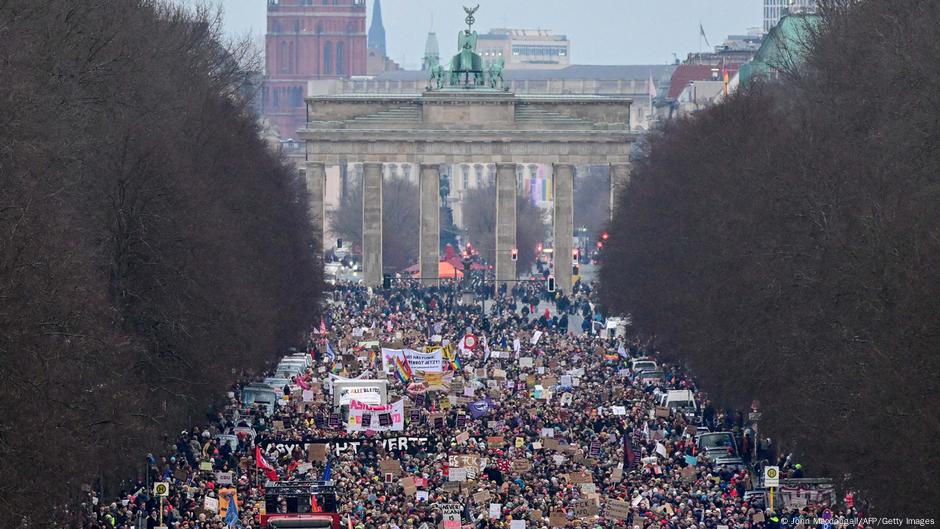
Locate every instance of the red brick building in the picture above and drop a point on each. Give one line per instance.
(308, 39)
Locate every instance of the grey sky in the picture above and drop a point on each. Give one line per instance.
(601, 31)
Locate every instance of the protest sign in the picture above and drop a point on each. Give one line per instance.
(428, 362)
(210, 504)
(557, 519)
(495, 509)
(618, 509)
(451, 513)
(583, 508)
(580, 477)
(496, 441)
(381, 418)
(390, 466)
(521, 465)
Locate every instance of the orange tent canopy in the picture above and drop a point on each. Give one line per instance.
(446, 270)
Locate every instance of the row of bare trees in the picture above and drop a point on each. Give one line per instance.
(785, 245)
(151, 246)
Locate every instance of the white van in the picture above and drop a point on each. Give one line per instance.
(290, 369)
(679, 399)
(642, 364)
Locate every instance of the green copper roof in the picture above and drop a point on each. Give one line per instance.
(787, 43)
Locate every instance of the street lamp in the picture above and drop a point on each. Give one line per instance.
(467, 294)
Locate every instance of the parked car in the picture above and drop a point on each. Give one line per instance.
(642, 364)
(278, 383)
(649, 375)
(263, 394)
(290, 369)
(756, 498)
(717, 444)
(732, 462)
(679, 399)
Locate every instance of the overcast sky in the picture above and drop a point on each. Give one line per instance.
(601, 31)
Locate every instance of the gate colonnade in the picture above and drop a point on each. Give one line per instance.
(453, 126)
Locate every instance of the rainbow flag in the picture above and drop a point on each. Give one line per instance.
(403, 370)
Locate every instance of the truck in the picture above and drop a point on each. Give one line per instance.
(300, 505)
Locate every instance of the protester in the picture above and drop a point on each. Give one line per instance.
(565, 428)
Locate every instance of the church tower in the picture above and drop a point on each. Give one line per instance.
(307, 40)
(377, 30)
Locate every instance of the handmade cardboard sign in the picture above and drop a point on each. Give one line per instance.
(580, 477)
(390, 466)
(317, 452)
(481, 497)
(584, 508)
(618, 509)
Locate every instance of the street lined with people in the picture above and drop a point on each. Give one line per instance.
(406, 407)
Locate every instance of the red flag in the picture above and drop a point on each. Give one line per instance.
(628, 456)
(263, 464)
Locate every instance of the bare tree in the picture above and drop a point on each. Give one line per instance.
(399, 221)
(479, 219)
(792, 257)
(150, 243)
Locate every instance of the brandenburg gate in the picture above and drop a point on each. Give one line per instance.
(465, 116)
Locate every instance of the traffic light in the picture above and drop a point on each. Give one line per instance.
(600, 245)
(574, 270)
(605, 236)
(515, 254)
(386, 281)
(574, 254)
(538, 248)
(339, 243)
(551, 283)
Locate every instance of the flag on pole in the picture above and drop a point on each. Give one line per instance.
(622, 352)
(330, 353)
(403, 369)
(263, 464)
(328, 473)
(652, 86)
(231, 514)
(701, 32)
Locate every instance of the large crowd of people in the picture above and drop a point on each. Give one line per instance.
(529, 422)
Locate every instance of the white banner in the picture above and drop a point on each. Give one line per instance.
(394, 414)
(367, 394)
(428, 362)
